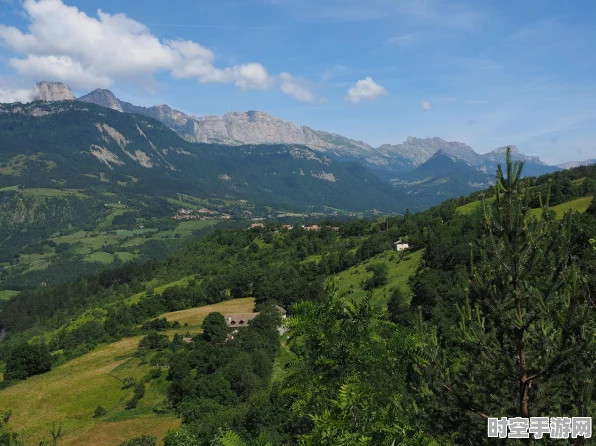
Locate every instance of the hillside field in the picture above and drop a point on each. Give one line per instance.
(399, 272)
(71, 392)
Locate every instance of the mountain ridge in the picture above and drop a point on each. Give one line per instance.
(257, 127)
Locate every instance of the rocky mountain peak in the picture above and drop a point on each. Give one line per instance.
(53, 91)
(498, 155)
(104, 98)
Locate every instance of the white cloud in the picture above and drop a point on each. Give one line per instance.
(426, 106)
(293, 88)
(9, 95)
(365, 89)
(65, 44)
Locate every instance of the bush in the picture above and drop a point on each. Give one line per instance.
(99, 412)
(379, 277)
(128, 383)
(27, 360)
(143, 440)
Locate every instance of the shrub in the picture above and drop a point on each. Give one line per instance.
(128, 383)
(27, 360)
(143, 440)
(99, 412)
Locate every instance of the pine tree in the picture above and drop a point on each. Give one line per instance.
(524, 344)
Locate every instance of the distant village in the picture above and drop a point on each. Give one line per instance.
(200, 214)
(306, 228)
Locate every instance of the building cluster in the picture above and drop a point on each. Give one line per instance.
(242, 319)
(306, 228)
(200, 214)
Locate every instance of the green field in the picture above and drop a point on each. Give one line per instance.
(580, 205)
(472, 206)
(100, 256)
(398, 272)
(71, 392)
(134, 232)
(7, 294)
(43, 192)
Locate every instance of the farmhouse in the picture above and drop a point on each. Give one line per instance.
(239, 319)
(400, 246)
(257, 225)
(242, 319)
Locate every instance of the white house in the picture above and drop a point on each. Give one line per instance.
(400, 246)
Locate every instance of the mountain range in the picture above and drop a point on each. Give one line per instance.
(429, 169)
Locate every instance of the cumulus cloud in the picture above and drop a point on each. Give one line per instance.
(66, 44)
(365, 90)
(426, 106)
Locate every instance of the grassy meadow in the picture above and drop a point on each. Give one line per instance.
(398, 274)
(71, 392)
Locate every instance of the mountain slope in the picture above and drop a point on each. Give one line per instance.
(73, 140)
(572, 164)
(234, 128)
(533, 166)
(444, 176)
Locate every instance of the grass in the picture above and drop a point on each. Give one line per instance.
(194, 316)
(99, 256)
(186, 228)
(472, 206)
(398, 274)
(7, 294)
(580, 205)
(125, 256)
(46, 192)
(283, 358)
(71, 392)
(132, 233)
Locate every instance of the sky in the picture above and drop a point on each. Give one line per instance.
(481, 72)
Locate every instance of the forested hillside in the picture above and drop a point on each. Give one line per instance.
(489, 313)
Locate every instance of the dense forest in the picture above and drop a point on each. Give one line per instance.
(497, 321)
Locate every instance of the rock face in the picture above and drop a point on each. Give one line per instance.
(234, 128)
(255, 127)
(419, 150)
(572, 164)
(104, 98)
(54, 91)
(498, 156)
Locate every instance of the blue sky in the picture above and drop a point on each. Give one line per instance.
(482, 72)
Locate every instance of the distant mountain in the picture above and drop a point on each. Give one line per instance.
(390, 162)
(443, 176)
(418, 151)
(53, 91)
(533, 165)
(234, 128)
(572, 164)
(77, 144)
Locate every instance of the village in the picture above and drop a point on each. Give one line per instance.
(200, 214)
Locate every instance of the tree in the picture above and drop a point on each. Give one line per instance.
(379, 277)
(215, 328)
(27, 360)
(349, 384)
(100, 411)
(523, 346)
